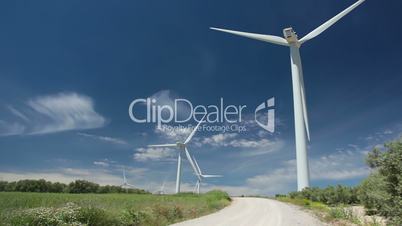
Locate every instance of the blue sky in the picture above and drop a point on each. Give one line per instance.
(69, 70)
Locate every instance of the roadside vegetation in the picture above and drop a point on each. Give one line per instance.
(60, 209)
(380, 193)
(78, 186)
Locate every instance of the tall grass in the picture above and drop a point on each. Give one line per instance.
(105, 209)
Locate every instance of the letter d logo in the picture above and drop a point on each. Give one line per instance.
(269, 104)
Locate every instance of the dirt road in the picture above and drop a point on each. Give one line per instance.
(256, 212)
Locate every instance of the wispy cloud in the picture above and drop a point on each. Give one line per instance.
(18, 113)
(342, 165)
(101, 163)
(247, 145)
(154, 154)
(54, 113)
(112, 140)
(10, 129)
(175, 134)
(66, 111)
(65, 175)
(222, 139)
(168, 97)
(104, 176)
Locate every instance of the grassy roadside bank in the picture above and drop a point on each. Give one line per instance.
(340, 215)
(25, 208)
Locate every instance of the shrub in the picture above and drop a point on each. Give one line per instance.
(78, 186)
(93, 216)
(372, 193)
(135, 217)
(384, 188)
(330, 195)
(48, 216)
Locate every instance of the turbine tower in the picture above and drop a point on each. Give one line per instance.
(125, 184)
(299, 96)
(182, 147)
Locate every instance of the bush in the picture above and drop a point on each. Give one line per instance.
(78, 186)
(372, 193)
(96, 216)
(383, 189)
(48, 216)
(330, 195)
(82, 186)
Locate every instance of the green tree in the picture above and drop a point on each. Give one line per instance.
(83, 186)
(3, 185)
(384, 188)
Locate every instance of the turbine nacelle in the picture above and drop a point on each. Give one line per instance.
(290, 35)
(181, 145)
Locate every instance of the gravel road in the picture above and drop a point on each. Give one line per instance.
(256, 212)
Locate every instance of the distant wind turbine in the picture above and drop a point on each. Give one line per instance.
(161, 190)
(299, 95)
(201, 176)
(182, 147)
(125, 184)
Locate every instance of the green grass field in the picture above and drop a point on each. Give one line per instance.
(18, 208)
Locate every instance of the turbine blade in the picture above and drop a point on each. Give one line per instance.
(196, 164)
(329, 23)
(265, 38)
(191, 162)
(304, 105)
(162, 145)
(194, 130)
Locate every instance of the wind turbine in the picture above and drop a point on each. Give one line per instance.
(299, 95)
(182, 147)
(162, 190)
(201, 176)
(125, 184)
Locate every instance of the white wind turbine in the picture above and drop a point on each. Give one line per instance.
(299, 95)
(125, 184)
(162, 189)
(182, 147)
(201, 176)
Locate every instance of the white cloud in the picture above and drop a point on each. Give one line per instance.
(18, 113)
(54, 113)
(244, 143)
(342, 165)
(104, 138)
(101, 163)
(250, 146)
(219, 139)
(173, 133)
(167, 97)
(9, 129)
(67, 175)
(276, 181)
(66, 111)
(153, 154)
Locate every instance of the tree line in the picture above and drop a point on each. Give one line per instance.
(77, 186)
(380, 192)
